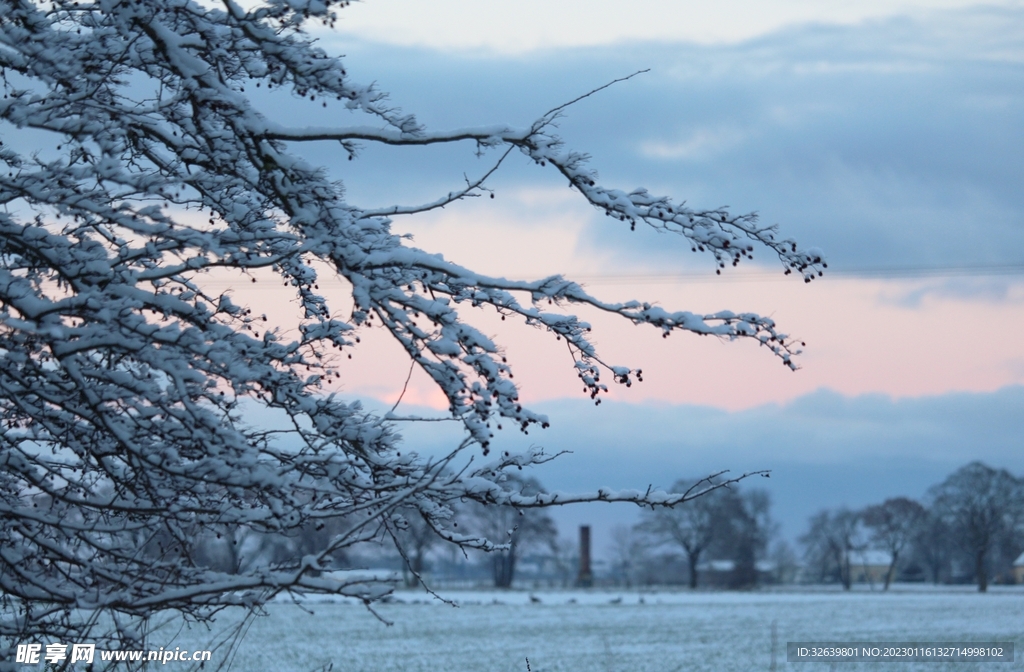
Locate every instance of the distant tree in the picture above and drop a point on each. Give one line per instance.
(629, 550)
(523, 530)
(933, 547)
(750, 530)
(691, 527)
(832, 537)
(564, 556)
(894, 524)
(980, 506)
(227, 550)
(236, 549)
(413, 537)
(742, 529)
(137, 171)
(785, 561)
(718, 520)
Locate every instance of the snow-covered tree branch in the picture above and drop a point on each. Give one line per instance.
(123, 377)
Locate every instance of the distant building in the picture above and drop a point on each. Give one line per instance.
(1018, 569)
(722, 573)
(869, 566)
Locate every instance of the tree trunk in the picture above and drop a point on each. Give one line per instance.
(415, 568)
(935, 565)
(744, 574)
(504, 565)
(692, 559)
(980, 571)
(891, 572)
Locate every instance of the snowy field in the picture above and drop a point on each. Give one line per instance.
(603, 630)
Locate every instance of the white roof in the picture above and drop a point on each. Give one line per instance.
(730, 565)
(871, 557)
(717, 566)
(1019, 562)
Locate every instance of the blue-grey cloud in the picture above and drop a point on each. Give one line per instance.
(890, 143)
(823, 449)
(895, 142)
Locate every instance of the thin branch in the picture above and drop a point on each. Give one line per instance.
(405, 387)
(588, 94)
(453, 196)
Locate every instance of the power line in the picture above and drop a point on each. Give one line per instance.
(761, 275)
(878, 272)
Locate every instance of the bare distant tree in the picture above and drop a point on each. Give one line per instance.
(523, 530)
(831, 538)
(893, 524)
(748, 528)
(565, 560)
(413, 537)
(629, 548)
(933, 546)
(229, 549)
(785, 561)
(693, 527)
(980, 506)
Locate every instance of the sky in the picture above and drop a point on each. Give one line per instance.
(887, 134)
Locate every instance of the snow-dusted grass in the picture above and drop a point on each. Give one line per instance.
(602, 630)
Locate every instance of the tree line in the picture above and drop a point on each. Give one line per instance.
(726, 525)
(966, 528)
(969, 527)
(405, 541)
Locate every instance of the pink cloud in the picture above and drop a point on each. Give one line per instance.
(858, 342)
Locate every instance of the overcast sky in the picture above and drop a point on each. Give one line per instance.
(888, 134)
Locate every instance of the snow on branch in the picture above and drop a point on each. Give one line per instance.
(127, 384)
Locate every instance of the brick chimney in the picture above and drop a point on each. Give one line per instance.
(585, 579)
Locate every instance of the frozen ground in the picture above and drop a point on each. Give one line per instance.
(605, 630)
